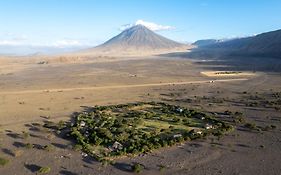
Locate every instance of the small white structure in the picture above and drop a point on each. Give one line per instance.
(116, 146)
(84, 154)
(82, 124)
(177, 135)
(208, 126)
(87, 134)
(180, 110)
(196, 131)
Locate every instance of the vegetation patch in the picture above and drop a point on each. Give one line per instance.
(109, 131)
(3, 161)
(251, 126)
(227, 72)
(137, 168)
(44, 170)
(48, 147)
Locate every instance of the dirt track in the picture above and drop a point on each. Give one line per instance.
(121, 86)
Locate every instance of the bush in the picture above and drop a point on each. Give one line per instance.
(105, 162)
(137, 168)
(77, 147)
(239, 119)
(48, 148)
(28, 145)
(3, 161)
(44, 170)
(250, 125)
(61, 125)
(162, 167)
(25, 134)
(227, 112)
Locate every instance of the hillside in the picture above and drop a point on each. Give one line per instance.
(205, 42)
(264, 45)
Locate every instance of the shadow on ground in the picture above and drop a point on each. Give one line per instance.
(224, 61)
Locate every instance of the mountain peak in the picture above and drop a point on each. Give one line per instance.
(139, 38)
(138, 27)
(136, 30)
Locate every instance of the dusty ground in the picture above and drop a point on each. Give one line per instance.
(33, 93)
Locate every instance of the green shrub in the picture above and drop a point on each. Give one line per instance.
(250, 125)
(227, 112)
(137, 168)
(28, 145)
(48, 148)
(61, 125)
(44, 170)
(25, 134)
(3, 161)
(77, 147)
(162, 167)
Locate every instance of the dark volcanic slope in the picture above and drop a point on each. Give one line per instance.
(206, 42)
(266, 44)
(138, 38)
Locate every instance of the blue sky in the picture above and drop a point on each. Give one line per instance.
(90, 22)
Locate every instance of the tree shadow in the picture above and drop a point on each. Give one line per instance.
(38, 136)
(123, 166)
(19, 144)
(14, 135)
(65, 172)
(38, 146)
(32, 167)
(45, 117)
(89, 159)
(58, 145)
(195, 145)
(243, 145)
(243, 129)
(35, 129)
(86, 109)
(8, 152)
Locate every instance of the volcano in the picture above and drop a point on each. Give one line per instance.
(137, 39)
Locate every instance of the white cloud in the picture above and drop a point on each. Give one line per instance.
(58, 44)
(152, 26)
(11, 39)
(10, 43)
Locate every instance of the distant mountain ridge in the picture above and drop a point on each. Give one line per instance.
(264, 45)
(205, 42)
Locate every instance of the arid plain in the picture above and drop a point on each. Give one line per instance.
(32, 93)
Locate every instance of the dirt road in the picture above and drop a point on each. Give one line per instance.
(120, 86)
